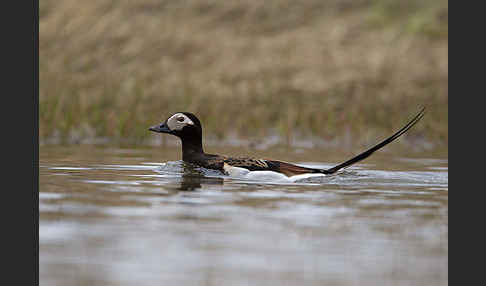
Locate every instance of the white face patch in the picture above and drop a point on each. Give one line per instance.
(178, 121)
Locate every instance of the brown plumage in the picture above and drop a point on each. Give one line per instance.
(188, 128)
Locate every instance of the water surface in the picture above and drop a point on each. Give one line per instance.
(138, 216)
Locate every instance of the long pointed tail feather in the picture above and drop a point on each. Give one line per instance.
(370, 151)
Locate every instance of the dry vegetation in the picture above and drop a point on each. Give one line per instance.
(299, 69)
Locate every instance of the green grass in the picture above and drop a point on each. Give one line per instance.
(300, 69)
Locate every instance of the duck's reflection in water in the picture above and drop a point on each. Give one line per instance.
(192, 179)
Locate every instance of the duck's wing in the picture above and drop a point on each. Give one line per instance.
(290, 169)
(250, 164)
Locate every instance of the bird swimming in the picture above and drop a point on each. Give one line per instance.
(188, 128)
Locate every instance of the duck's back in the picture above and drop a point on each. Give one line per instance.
(217, 162)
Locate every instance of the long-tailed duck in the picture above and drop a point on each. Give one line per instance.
(188, 128)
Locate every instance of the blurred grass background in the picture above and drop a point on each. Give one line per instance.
(345, 70)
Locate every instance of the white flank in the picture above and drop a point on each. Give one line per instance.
(269, 176)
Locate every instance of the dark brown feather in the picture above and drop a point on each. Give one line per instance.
(247, 163)
(291, 169)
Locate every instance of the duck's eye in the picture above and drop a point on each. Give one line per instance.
(180, 119)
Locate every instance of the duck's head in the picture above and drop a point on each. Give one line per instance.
(184, 125)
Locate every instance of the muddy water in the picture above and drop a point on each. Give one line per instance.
(138, 216)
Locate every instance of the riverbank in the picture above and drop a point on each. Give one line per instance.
(335, 71)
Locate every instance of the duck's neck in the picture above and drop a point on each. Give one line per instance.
(191, 148)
